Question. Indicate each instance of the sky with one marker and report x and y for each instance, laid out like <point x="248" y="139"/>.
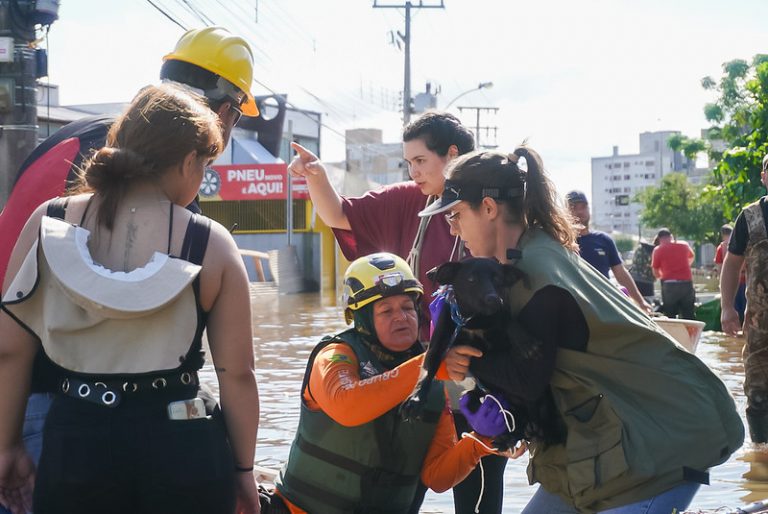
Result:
<point x="572" y="78"/>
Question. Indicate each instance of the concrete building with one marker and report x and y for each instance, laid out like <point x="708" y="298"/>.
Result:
<point x="380" y="163"/>
<point x="618" y="178"/>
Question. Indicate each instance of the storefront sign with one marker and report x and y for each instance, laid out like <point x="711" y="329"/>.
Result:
<point x="250" y="182"/>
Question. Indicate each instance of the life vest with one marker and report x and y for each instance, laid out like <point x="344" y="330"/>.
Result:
<point x="756" y="257"/>
<point x="94" y="322"/>
<point x="642" y="414"/>
<point x="370" y="468"/>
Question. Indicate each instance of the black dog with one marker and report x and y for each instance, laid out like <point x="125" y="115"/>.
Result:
<point x="479" y="289"/>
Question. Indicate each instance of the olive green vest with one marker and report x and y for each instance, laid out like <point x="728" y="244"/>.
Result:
<point x="371" y="468"/>
<point x="642" y="414"/>
<point x="756" y="257"/>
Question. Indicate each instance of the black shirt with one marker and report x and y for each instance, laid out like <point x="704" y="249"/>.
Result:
<point x="740" y="235"/>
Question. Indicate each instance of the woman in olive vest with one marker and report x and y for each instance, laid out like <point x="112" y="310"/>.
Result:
<point x="634" y="420"/>
<point x="353" y="452"/>
<point x="117" y="284"/>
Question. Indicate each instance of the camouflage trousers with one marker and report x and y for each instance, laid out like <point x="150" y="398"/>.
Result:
<point x="756" y="328"/>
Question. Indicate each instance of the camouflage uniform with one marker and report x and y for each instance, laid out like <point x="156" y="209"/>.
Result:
<point x="641" y="270"/>
<point x="756" y="319"/>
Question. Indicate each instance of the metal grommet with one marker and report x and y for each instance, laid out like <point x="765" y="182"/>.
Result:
<point x="100" y="384"/>
<point x="130" y="387"/>
<point x="83" y="390"/>
<point x="65" y="385"/>
<point x="186" y="378"/>
<point x="159" y="383"/>
<point x="108" y="398"/>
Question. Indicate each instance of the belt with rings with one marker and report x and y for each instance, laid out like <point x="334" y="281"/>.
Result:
<point x="109" y="393"/>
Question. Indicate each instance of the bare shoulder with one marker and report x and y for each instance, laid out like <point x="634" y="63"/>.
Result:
<point x="220" y="240"/>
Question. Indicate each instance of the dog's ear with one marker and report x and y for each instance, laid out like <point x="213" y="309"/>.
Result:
<point x="447" y="272"/>
<point x="512" y="274"/>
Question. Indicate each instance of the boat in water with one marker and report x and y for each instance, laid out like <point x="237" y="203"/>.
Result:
<point x="687" y="332"/>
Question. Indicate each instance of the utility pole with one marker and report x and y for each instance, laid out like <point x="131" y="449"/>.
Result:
<point x="406" y="39"/>
<point x="487" y="128"/>
<point x="20" y="66"/>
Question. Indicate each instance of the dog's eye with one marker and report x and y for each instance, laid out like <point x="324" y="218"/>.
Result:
<point x="471" y="278"/>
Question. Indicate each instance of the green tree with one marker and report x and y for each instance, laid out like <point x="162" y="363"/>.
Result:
<point x="690" y="212"/>
<point x="739" y="118"/>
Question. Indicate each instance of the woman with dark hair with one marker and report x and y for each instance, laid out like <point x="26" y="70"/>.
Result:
<point x="117" y="284"/>
<point x="385" y="219"/>
<point x="629" y="418"/>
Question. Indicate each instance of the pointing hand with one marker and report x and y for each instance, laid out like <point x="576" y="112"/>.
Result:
<point x="305" y="163"/>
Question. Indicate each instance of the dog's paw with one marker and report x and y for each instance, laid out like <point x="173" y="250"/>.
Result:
<point x="411" y="409"/>
<point x="505" y="442"/>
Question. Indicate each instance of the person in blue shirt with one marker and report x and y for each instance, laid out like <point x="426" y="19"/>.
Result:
<point x="599" y="250"/>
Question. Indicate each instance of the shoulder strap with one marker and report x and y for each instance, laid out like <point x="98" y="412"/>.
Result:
<point x="57" y="208"/>
<point x="196" y="239"/>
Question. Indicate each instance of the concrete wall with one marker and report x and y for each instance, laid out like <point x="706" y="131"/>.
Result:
<point x="307" y="246"/>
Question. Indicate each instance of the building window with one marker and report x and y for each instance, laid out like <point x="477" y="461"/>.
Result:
<point x="627" y="177"/>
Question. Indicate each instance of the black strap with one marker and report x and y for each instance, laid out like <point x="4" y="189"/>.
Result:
<point x="330" y="457"/>
<point x="85" y="211"/>
<point x="57" y="208"/>
<point x="196" y="239"/>
<point x="170" y="229"/>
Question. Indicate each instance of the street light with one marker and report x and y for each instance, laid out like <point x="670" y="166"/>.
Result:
<point x="482" y="85"/>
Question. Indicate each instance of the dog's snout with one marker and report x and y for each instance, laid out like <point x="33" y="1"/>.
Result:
<point x="493" y="302"/>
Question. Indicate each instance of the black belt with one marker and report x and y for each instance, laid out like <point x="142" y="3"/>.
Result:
<point x="109" y="392"/>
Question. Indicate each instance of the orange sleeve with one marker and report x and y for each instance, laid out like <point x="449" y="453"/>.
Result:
<point x="335" y="386"/>
<point x="449" y="462"/>
<point x="442" y="372"/>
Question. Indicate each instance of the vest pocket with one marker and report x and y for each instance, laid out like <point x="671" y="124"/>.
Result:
<point x="594" y="450"/>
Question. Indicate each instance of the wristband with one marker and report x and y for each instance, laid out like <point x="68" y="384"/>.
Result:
<point x="243" y="470"/>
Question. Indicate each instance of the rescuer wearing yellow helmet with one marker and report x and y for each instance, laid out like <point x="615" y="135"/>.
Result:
<point x="219" y="65"/>
<point x="353" y="452"/>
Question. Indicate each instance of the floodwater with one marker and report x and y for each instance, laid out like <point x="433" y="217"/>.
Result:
<point x="286" y="328"/>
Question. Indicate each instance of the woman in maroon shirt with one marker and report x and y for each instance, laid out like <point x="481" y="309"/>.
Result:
<point x="385" y="220"/>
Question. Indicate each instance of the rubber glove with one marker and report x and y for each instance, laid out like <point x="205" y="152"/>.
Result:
<point x="436" y="306"/>
<point x="486" y="419"/>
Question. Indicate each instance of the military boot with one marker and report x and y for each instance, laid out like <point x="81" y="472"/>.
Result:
<point x="758" y="426"/>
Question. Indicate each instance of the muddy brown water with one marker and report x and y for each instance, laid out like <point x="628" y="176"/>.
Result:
<point x="286" y="328"/>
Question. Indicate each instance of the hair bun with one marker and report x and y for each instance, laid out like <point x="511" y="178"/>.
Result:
<point x="111" y="165"/>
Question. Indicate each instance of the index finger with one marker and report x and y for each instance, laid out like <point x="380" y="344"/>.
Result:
<point x="304" y="154"/>
<point x="469" y="351"/>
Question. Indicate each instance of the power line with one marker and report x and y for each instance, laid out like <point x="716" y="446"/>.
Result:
<point x="167" y="15"/>
<point x="195" y="12"/>
<point x="331" y="129"/>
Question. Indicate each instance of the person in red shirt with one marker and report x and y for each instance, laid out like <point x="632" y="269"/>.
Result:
<point x="671" y="263"/>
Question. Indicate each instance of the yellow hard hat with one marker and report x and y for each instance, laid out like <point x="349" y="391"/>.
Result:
<point x="230" y="57"/>
<point x="377" y="276"/>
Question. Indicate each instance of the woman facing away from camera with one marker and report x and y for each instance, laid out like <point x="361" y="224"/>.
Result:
<point x="117" y="283"/>
<point x="629" y="422"/>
